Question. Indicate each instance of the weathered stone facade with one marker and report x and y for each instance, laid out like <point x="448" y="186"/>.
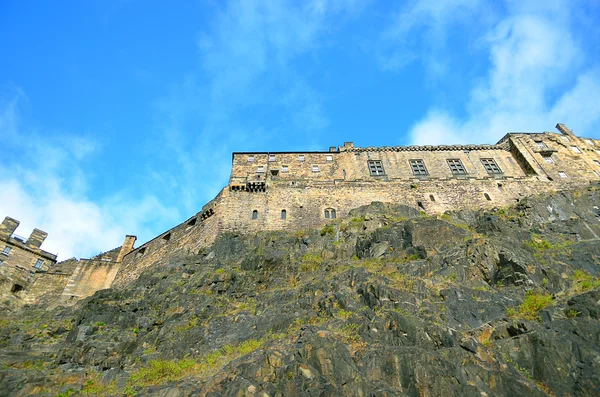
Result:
<point x="298" y="190"/>
<point x="21" y="261"/>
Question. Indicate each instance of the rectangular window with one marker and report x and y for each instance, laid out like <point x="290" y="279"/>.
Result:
<point x="597" y="173"/>
<point x="541" y="145"/>
<point x="575" y="149"/>
<point x="38" y="264"/>
<point x="597" y="162"/>
<point x="301" y="157"/>
<point x="271" y="157"/>
<point x="490" y="166"/>
<point x="562" y="174"/>
<point x="260" y="169"/>
<point x="375" y="167"/>
<point x="250" y="159"/>
<point x="1" y="263"/>
<point x="6" y="250"/>
<point x="284" y="168"/>
<point x="590" y="142"/>
<point x="566" y="139"/>
<point x="418" y="167"/>
<point x="456" y="167"/>
<point x="329" y="158"/>
<point x="548" y="158"/>
<point x="315" y="168"/>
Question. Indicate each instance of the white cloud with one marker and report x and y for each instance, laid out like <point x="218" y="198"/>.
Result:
<point x="44" y="186"/>
<point x="419" y="31"/>
<point x="538" y="76"/>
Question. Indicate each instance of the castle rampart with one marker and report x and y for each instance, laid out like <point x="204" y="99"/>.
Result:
<point x="299" y="190"/>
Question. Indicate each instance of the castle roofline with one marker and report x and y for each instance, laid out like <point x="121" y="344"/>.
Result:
<point x="291" y="152"/>
<point x="415" y="148"/>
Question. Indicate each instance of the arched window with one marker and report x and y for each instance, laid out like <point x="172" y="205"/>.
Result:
<point x="330" y="213"/>
<point x="255" y="214"/>
<point x="283" y="214"/>
<point x="487" y="197"/>
<point x="431" y="197"/>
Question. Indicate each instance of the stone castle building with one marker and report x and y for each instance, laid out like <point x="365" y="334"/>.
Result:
<point x="21" y="258"/>
<point x="301" y="190"/>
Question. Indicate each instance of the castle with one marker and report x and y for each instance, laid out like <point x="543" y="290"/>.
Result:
<point x="301" y="190"/>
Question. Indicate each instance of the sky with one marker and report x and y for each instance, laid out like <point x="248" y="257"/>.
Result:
<point x="120" y="116"/>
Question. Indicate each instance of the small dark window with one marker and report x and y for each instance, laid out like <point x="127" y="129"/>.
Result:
<point x="490" y="166"/>
<point x="16" y="288"/>
<point x="327" y="214"/>
<point x="140" y="252"/>
<point x="255" y="214"/>
<point x="375" y="167"/>
<point x="192" y="222"/>
<point x="431" y="197"/>
<point x="274" y="172"/>
<point x="330" y="213"/>
<point x="418" y="167"/>
<point x="487" y="197"/>
<point x="420" y="204"/>
<point x="283" y="214"/>
<point x="167" y="237"/>
<point x="456" y="166"/>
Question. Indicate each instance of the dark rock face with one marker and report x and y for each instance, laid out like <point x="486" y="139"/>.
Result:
<point x="388" y="302"/>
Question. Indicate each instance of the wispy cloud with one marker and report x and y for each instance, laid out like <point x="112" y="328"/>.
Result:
<point x="44" y="185"/>
<point x="249" y="92"/>
<point x="537" y="75"/>
<point x="420" y="30"/>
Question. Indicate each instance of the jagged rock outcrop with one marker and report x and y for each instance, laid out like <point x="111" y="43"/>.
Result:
<point x="387" y="302"/>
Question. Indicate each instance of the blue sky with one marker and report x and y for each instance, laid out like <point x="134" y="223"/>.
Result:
<point x="119" y="117"/>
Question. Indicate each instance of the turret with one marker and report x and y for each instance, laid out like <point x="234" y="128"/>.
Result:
<point x="36" y="238"/>
<point x="8" y="227"/>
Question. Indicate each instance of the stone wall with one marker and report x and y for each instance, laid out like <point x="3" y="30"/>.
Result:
<point x="88" y="277"/>
<point x="48" y="286"/>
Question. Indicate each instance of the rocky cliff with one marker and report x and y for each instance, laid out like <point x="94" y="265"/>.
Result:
<point x="386" y="302"/>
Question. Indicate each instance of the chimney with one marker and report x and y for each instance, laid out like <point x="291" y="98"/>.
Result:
<point x="348" y="144"/>
<point x="8" y="227"/>
<point x="564" y="129"/>
<point x="36" y="238"/>
<point x="126" y="247"/>
<point x="332" y="149"/>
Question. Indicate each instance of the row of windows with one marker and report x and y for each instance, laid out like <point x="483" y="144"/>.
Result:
<point x="588" y="141"/>
<point x="418" y="167"/>
<point x="301" y="157"/>
<point x="284" y="168"/>
<point x="38" y="263"/>
<point x="329" y="213"/>
<point x="542" y="145"/>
